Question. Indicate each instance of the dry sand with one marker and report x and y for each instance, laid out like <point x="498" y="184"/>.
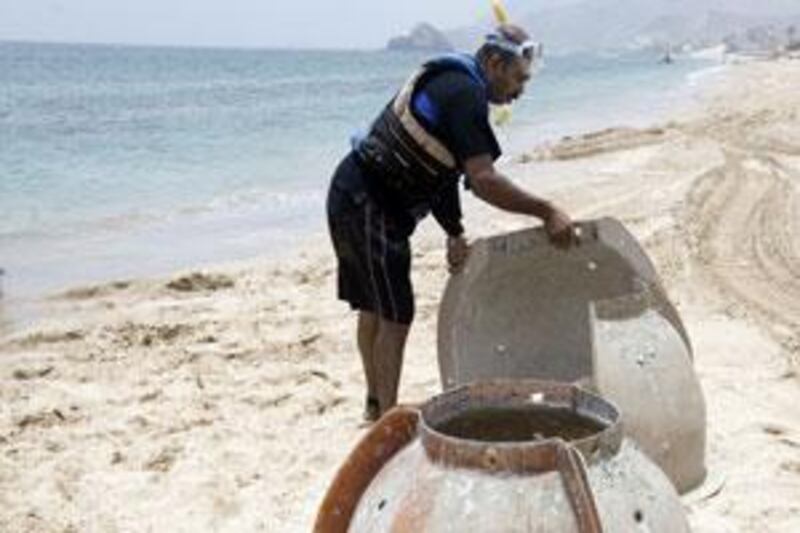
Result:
<point x="225" y="400"/>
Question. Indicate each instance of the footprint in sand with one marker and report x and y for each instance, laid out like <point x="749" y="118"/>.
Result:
<point x="164" y="460"/>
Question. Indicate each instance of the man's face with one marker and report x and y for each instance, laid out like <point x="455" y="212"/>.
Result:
<point x="507" y="80"/>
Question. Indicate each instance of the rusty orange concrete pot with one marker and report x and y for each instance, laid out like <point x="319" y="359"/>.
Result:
<point x="501" y="456"/>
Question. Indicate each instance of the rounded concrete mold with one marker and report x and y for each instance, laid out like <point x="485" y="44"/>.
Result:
<point x="501" y="456"/>
<point x="596" y="315"/>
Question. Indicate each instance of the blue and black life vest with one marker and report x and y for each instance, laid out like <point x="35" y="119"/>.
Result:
<point x="405" y="156"/>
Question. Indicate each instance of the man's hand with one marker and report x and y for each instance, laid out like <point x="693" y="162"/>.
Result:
<point x="494" y="188"/>
<point x="457" y="253"/>
<point x="560" y="229"/>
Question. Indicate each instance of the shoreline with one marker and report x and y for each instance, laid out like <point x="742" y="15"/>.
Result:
<point x="186" y="402"/>
<point x="250" y="223"/>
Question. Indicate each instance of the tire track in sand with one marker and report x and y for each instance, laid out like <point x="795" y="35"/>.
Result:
<point x="744" y="220"/>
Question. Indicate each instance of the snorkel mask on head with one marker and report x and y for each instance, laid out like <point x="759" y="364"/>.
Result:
<point x="530" y="50"/>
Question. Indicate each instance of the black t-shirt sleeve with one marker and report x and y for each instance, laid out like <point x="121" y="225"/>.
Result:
<point x="467" y="126"/>
<point x="464" y="120"/>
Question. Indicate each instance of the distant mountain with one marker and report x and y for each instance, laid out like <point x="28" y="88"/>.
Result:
<point x="709" y="28"/>
<point x="422" y="37"/>
<point x="615" y="24"/>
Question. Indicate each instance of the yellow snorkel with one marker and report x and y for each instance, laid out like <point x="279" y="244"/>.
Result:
<point x="500" y="12"/>
<point x="501" y="114"/>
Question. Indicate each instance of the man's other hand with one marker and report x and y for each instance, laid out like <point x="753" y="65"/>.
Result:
<point x="457" y="253"/>
<point x="560" y="229"/>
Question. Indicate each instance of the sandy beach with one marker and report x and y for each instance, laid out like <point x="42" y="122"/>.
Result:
<point x="225" y="400"/>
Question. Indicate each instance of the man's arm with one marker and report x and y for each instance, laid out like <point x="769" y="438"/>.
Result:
<point x="447" y="211"/>
<point x="494" y="188"/>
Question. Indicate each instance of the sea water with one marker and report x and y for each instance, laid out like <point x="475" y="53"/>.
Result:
<point x="120" y="162"/>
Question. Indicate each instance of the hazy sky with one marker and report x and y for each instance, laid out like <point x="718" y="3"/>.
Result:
<point x="290" y="23"/>
<point x="271" y="23"/>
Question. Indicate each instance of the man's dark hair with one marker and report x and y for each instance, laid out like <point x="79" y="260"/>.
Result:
<point x="511" y="32"/>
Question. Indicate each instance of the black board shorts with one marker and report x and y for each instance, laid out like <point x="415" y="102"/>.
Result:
<point x="372" y="248"/>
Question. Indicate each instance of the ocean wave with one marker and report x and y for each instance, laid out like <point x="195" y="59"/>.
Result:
<point x="266" y="204"/>
<point x="701" y="77"/>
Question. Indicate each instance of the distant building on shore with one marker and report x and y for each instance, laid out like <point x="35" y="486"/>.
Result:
<point x="763" y="39"/>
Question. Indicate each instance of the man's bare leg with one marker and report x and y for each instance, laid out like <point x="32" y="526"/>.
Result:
<point x="388" y="360"/>
<point x="367" y="335"/>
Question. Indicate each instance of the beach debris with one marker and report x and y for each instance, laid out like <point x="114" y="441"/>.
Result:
<point x="50" y="337"/>
<point x="44" y="419"/>
<point x="132" y="334"/>
<point x="150" y="396"/>
<point x="321" y="375"/>
<point x="230" y="350"/>
<point x="310" y="339"/>
<point x="310" y="375"/>
<point x="199" y="282"/>
<point x="95" y="291"/>
<point x="277" y="401"/>
<point x="164" y="460"/>
<point x="320" y="407"/>
<point x="775" y="429"/>
<point x="25" y="374"/>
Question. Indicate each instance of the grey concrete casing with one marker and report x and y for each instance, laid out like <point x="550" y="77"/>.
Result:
<point x="596" y="314"/>
<point x="415" y="491"/>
